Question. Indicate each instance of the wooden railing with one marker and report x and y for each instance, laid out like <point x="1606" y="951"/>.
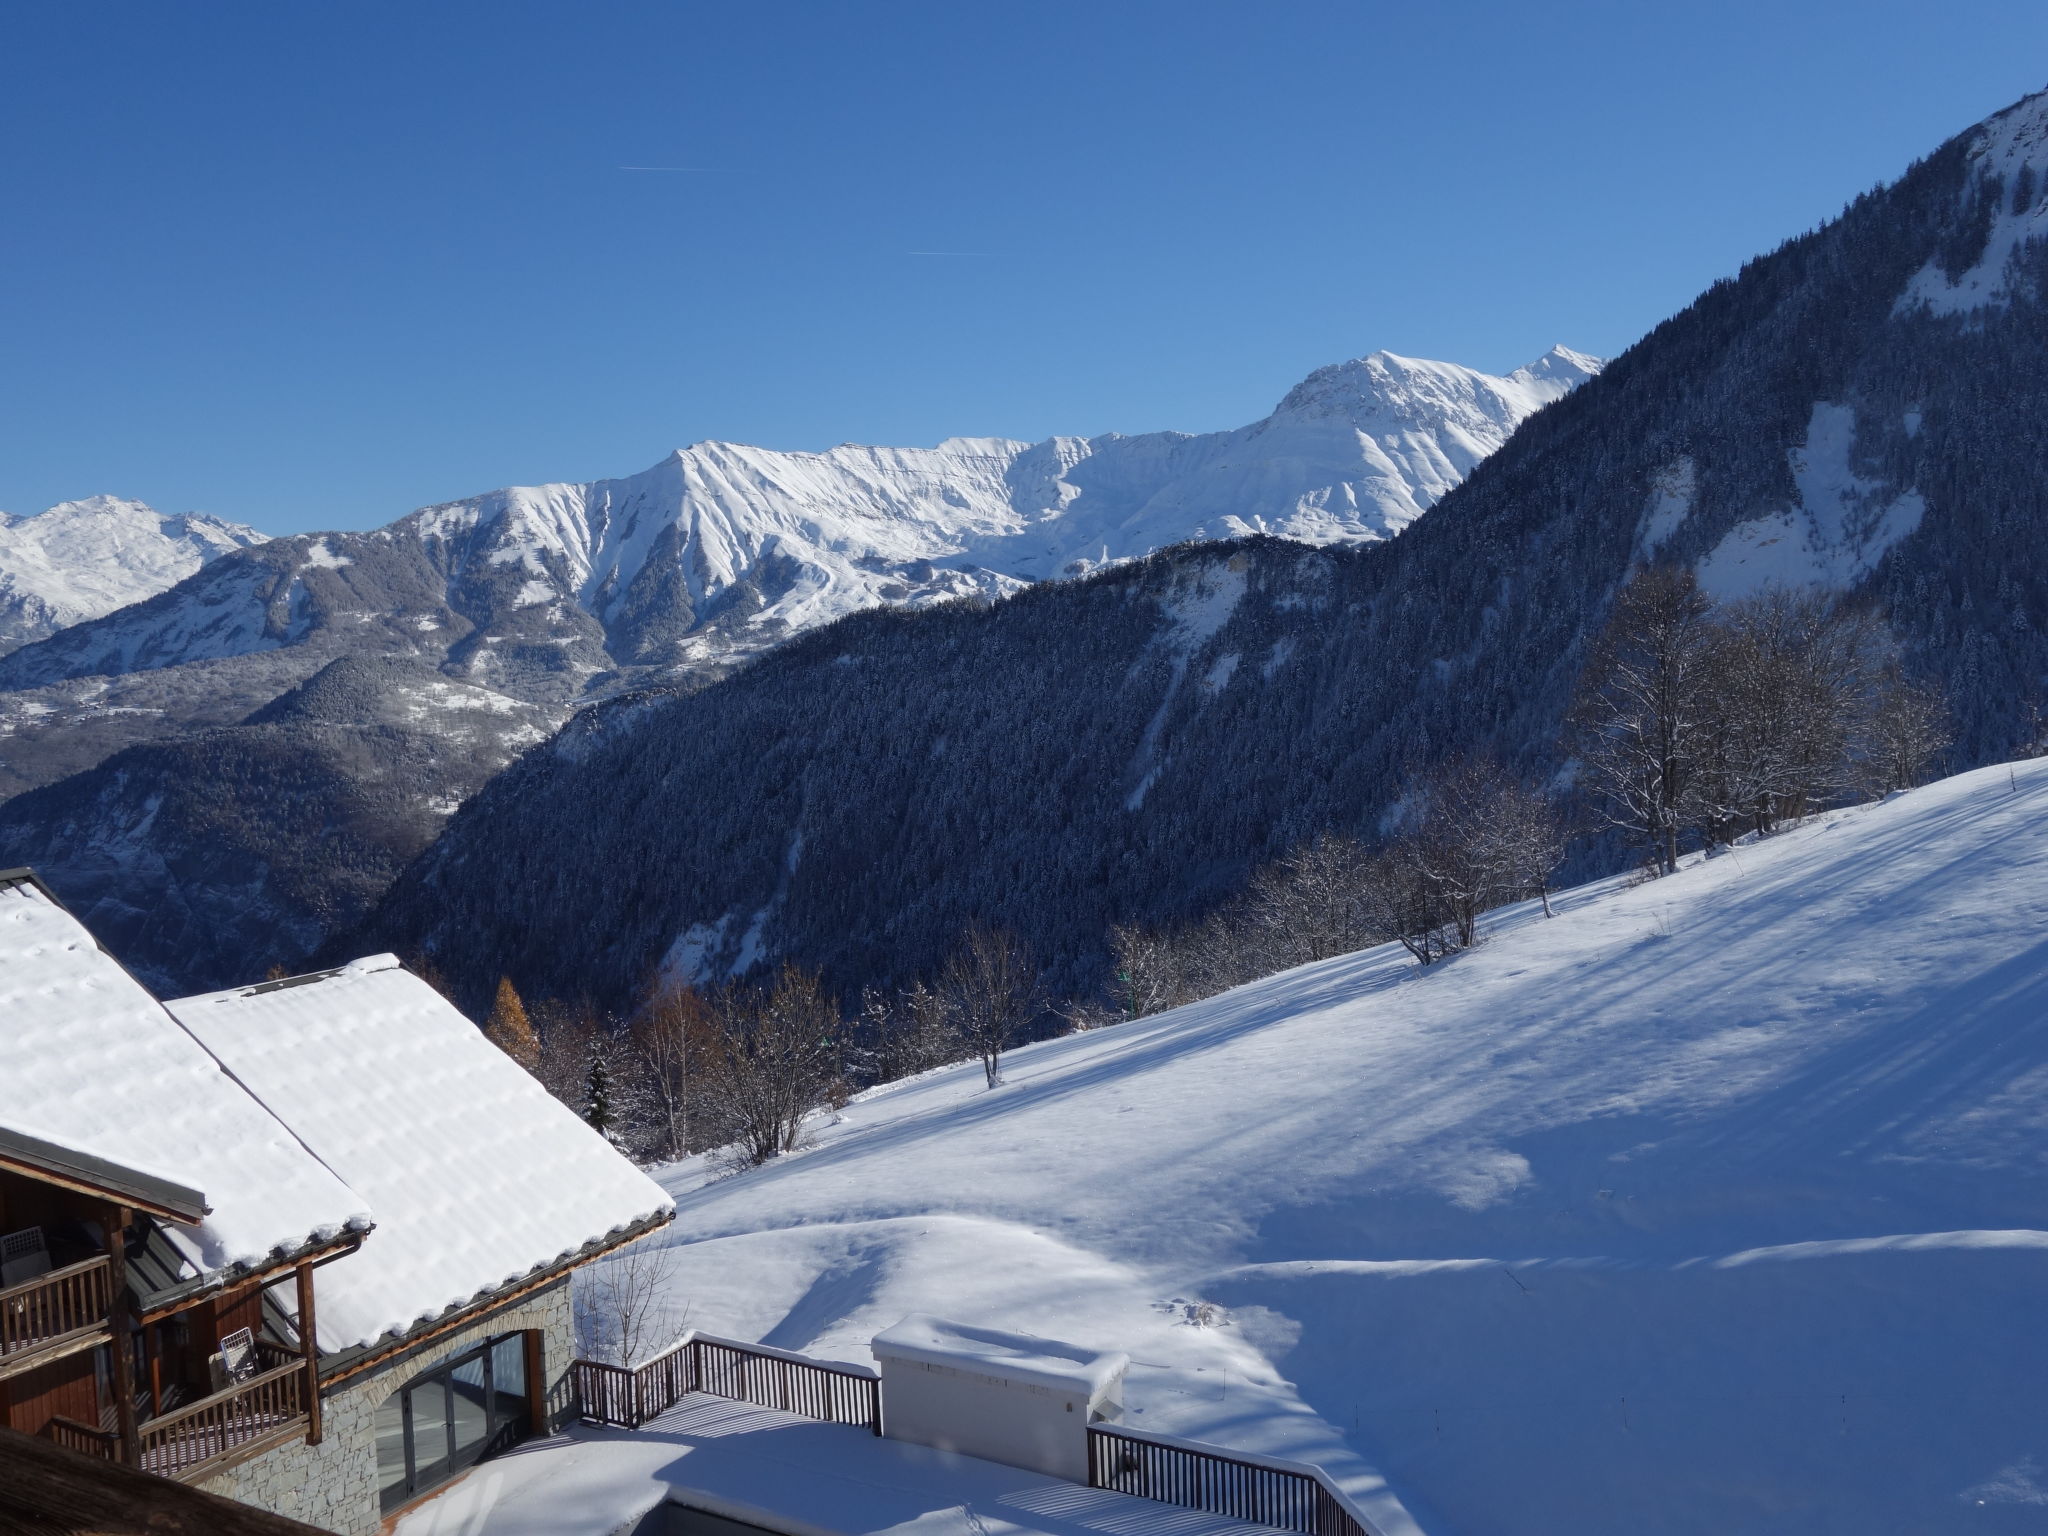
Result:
<point x="74" y="1300"/>
<point x="752" y="1373"/>
<point x="1292" y="1496"/>
<point x="181" y="1443"/>
<point x="75" y="1436"/>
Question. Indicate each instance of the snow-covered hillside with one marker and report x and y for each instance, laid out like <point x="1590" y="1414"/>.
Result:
<point x="81" y="559"/>
<point x="1717" y="1203"/>
<point x="723" y="550"/>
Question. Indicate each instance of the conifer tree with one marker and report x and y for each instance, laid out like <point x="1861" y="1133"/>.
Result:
<point x="509" y="1029"/>
<point x="597" y="1097"/>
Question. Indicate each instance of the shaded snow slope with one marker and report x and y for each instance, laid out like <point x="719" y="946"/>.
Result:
<point x="82" y="559"/>
<point x="722" y="550"/>
<point x="2006" y="196"/>
<point x="1718" y="1203"/>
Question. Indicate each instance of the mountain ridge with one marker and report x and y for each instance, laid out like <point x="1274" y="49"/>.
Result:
<point x="1127" y="749"/>
<point x="722" y="550"/>
<point x="83" y="559"/>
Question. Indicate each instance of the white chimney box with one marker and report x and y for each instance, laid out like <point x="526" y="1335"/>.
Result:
<point x="1008" y="1397"/>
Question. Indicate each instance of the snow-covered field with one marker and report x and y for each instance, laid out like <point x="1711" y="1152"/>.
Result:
<point x="1713" y="1204"/>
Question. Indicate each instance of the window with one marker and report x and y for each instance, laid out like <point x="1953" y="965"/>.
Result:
<point x="450" y="1418"/>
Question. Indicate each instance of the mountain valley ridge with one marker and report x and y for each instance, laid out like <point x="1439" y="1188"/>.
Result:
<point x="121" y="735"/>
<point x="1852" y="410"/>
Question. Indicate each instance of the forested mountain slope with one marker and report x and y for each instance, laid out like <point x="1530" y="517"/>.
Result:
<point x="1859" y="408"/>
<point x="1716" y="1203"/>
<point x="209" y="859"/>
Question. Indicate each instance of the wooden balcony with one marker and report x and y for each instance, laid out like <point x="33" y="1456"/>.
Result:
<point x="213" y="1434"/>
<point x="216" y="1432"/>
<point x="53" y="1315"/>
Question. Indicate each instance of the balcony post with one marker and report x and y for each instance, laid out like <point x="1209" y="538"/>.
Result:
<point x="117" y="1218"/>
<point x="309" y="1350"/>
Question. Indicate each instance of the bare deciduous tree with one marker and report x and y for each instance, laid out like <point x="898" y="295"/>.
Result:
<point x="1148" y="973"/>
<point x="907" y="1032"/>
<point x="1904" y="735"/>
<point x="990" y="990"/>
<point x="1641" y="718"/>
<point x="1311" y="904"/>
<point x="664" y="1036"/>
<point x="624" y="1307"/>
<point x="1790" y="674"/>
<point x="770" y="1057"/>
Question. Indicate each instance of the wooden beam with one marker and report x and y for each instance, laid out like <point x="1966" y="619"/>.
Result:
<point x="229" y="1291"/>
<point x="98" y="1191"/>
<point x="120" y="1316"/>
<point x="309" y="1351"/>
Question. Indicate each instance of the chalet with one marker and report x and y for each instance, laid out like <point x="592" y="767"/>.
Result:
<point x="306" y="1244"/>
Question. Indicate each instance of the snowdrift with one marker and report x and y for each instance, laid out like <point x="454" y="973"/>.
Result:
<point x="1711" y="1204"/>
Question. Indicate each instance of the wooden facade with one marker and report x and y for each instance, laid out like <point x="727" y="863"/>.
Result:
<point x="98" y="1355"/>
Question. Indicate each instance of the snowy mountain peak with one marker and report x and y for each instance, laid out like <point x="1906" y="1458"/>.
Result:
<point x="1384" y="389"/>
<point x="81" y="559"/>
<point x="1560" y="365"/>
<point x="723" y="549"/>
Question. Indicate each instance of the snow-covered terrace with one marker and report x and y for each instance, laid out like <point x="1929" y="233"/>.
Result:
<point x="762" y="1467"/>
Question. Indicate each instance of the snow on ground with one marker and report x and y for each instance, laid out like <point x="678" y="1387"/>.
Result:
<point x="1833" y="538"/>
<point x="1715" y="1203"/>
<point x="757" y="1465"/>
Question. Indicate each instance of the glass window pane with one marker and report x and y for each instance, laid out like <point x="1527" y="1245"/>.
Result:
<point x="469" y="1409"/>
<point x="508" y="1375"/>
<point x="391" y="1451"/>
<point x="429" y="1431"/>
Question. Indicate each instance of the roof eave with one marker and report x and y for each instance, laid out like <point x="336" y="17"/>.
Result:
<point x="87" y="1174"/>
<point x="357" y="1358"/>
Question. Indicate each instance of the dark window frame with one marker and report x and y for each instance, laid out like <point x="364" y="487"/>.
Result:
<point x="507" y="1420"/>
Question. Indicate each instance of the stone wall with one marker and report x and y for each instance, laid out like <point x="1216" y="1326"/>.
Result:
<point x="334" y="1484"/>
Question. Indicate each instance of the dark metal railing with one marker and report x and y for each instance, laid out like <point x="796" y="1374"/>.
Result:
<point x="837" y="1394"/>
<point x="1198" y="1477"/>
<point x="74" y="1300"/>
<point x="751" y="1373"/>
<point x="178" y="1443"/>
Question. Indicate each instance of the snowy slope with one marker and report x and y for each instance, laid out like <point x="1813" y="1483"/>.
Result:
<point x="1715" y="1204"/>
<point x="722" y="550"/>
<point x="81" y="559"/>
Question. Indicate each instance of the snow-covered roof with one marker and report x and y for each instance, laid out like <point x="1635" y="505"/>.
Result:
<point x="1019" y="1357"/>
<point x="478" y="1177"/>
<point x="97" y="1079"/>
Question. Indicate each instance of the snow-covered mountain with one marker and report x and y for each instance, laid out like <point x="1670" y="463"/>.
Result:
<point x="1713" y="1204"/>
<point x="81" y="559"/>
<point x="1129" y="749"/>
<point x="722" y="550"/>
<point x="1353" y="454"/>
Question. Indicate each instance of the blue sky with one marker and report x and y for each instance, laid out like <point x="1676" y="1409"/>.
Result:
<point x="314" y="265"/>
